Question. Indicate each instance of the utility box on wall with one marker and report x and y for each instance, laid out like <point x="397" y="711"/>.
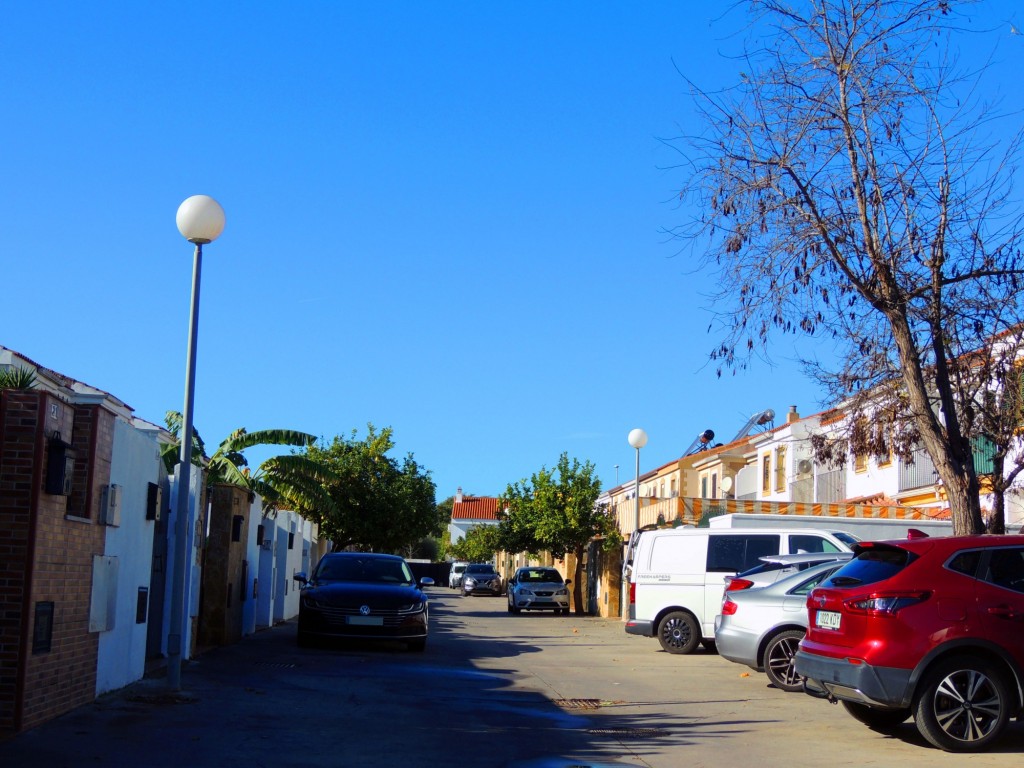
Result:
<point x="110" y="505"/>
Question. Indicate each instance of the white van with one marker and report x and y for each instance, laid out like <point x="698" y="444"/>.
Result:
<point x="677" y="575"/>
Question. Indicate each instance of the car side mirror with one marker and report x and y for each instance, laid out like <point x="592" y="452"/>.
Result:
<point x="426" y="581"/>
<point x="301" y="578"/>
<point x="568" y="582"/>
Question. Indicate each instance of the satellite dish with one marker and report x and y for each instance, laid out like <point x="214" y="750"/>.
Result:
<point x="726" y="484"/>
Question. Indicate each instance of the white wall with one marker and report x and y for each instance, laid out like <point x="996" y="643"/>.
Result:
<point x="193" y="570"/>
<point x="135" y="462"/>
<point x="267" y="573"/>
<point x="289" y="562"/>
<point x="252" y="558"/>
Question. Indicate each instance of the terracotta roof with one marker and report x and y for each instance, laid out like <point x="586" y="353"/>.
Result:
<point x="475" y="508"/>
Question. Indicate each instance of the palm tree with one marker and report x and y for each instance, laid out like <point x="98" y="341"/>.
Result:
<point x="288" y="480"/>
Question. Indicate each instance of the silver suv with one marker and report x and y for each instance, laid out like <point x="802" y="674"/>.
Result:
<point x="481" y="577"/>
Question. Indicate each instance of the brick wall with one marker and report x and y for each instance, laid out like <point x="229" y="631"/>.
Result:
<point x="52" y="540"/>
<point x="220" y="618"/>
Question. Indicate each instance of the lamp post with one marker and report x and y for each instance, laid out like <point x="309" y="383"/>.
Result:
<point x="200" y="220"/>
<point x="638" y="439"/>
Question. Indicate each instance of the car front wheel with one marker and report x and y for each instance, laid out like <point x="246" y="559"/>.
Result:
<point x="678" y="632"/>
<point x="963" y="705"/>
<point x="512" y="608"/>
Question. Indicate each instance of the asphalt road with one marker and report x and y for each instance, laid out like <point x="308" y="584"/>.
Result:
<point x="527" y="691"/>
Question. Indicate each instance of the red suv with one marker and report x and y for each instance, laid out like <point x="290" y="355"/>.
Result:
<point x="928" y="627"/>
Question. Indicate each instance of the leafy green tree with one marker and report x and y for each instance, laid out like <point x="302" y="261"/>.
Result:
<point x="479" y="545"/>
<point x="556" y="510"/>
<point x="287" y="480"/>
<point x="379" y="504"/>
<point x="444" y="516"/>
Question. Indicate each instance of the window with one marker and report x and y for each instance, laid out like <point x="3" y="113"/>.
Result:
<point x="236" y="527"/>
<point x="860" y="462"/>
<point x="766" y="473"/>
<point x="1006" y="569"/>
<point x="733" y="553"/>
<point x="885" y="457"/>
<point x="42" y="629"/>
<point x="780" y="469"/>
<point x="704" y="486"/>
<point x="714" y="486"/>
<point x="811" y="544"/>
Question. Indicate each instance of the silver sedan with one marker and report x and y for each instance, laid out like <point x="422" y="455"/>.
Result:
<point x="763" y="627"/>
<point x="538" y="589"/>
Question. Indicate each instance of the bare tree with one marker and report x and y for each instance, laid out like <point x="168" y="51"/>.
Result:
<point x="847" y="194"/>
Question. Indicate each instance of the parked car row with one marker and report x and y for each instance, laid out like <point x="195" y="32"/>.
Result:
<point x="922" y="628"/>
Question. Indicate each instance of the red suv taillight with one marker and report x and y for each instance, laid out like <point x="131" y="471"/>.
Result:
<point x="729" y="607"/>
<point x="632" y="593"/>
<point x="737" y="584"/>
<point x="884" y="603"/>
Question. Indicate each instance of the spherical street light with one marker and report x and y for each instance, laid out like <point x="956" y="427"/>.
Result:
<point x="637" y="438"/>
<point x="200" y="219"/>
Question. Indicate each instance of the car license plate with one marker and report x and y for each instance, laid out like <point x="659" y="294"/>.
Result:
<point x="828" y="619"/>
<point x="372" y="621"/>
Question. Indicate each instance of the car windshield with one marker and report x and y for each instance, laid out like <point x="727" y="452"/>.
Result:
<point x="370" y="569"/>
<point x="480" y="569"/>
<point x="541" y="575"/>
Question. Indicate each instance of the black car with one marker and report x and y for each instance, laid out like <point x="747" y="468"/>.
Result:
<point x="364" y="596"/>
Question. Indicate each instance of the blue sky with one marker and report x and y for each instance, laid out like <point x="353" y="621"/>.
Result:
<point x="444" y="218"/>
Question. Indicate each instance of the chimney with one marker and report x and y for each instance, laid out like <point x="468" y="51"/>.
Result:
<point x="792" y="415"/>
<point x="458" y="495"/>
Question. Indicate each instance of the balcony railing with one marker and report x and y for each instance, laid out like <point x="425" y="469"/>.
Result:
<point x="918" y="471"/>
<point x="830" y="487"/>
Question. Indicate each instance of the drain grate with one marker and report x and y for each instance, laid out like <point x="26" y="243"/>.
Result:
<point x="578" y="703"/>
<point x="275" y="664"/>
<point x="629" y="733"/>
<point x="586" y="703"/>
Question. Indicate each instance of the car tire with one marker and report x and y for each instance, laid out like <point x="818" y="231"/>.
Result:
<point x="511" y="608"/>
<point x="881" y="720"/>
<point x="417" y="646"/>
<point x="678" y="632"/>
<point x="778" y="660"/>
<point x="963" y="704"/>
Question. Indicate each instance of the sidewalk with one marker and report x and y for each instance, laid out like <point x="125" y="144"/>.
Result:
<point x="146" y="724"/>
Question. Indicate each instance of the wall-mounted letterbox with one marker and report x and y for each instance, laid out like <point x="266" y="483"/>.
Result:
<point x="154" y="498"/>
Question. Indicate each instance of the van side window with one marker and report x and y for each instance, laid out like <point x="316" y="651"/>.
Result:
<point x="810" y="543"/>
<point x="730" y="554"/>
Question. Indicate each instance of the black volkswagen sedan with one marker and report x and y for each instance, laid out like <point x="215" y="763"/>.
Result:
<point x="363" y="595"/>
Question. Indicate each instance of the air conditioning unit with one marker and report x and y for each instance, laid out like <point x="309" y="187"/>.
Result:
<point x="110" y="505"/>
<point x="804" y="467"/>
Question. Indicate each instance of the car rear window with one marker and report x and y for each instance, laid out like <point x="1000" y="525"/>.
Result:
<point x="871" y="566"/>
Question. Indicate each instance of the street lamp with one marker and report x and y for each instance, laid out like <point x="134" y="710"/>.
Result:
<point x="638" y="439"/>
<point x="200" y="220"/>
